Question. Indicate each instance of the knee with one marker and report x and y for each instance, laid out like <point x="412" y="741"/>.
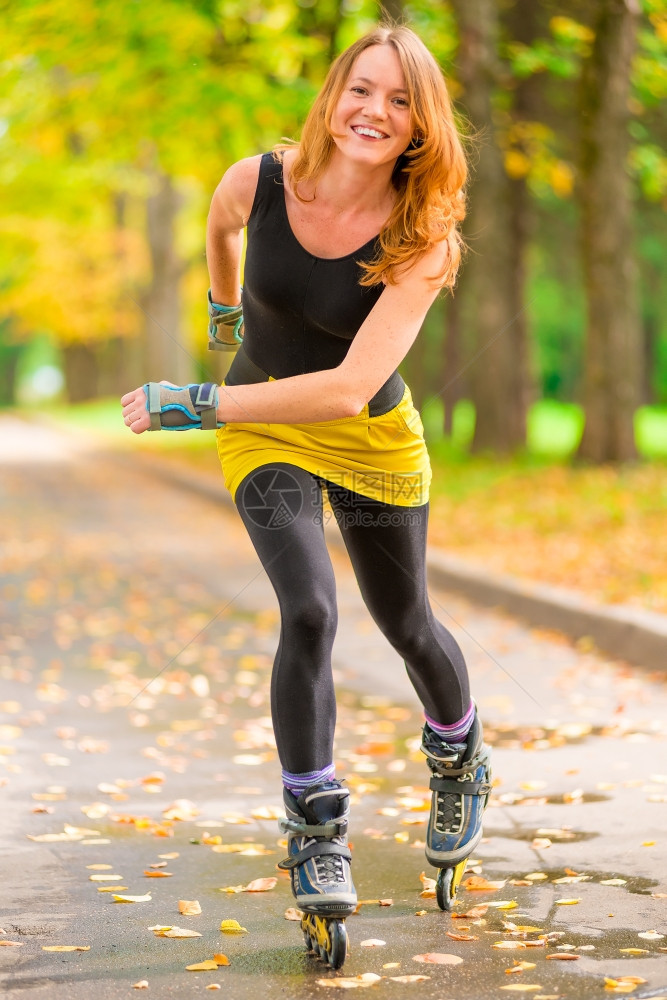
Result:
<point x="311" y="618"/>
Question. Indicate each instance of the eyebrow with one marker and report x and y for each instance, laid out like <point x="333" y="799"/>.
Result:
<point x="364" y="79"/>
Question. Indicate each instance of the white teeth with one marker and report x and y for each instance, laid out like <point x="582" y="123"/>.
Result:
<point x="362" y="130"/>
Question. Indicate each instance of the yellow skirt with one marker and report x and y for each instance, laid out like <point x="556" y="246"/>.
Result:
<point x="382" y="457"/>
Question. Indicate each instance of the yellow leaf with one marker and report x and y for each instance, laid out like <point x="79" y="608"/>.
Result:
<point x="365" y="979"/>
<point x="635" y="951"/>
<point x="567" y="902"/>
<point x="105" y="878"/>
<point x="112" y="888"/>
<point x="504" y="904"/>
<point x="232" y="927"/>
<point x="133" y="899"/>
<point x="207" y="966"/>
<point x="141" y="985"/>
<point x="220" y="959"/>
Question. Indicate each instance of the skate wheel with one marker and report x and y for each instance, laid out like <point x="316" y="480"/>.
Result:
<point x="443" y="888"/>
<point x="338" y="944"/>
<point x="447" y="885"/>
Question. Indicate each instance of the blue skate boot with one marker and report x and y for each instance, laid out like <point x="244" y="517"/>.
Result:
<point x="461" y="785"/>
<point x="319" y="865"/>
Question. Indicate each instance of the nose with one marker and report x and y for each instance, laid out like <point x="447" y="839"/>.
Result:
<point x="375" y="106"/>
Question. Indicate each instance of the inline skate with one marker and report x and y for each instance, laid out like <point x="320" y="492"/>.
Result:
<point x="319" y="865"/>
<point x="461" y="784"/>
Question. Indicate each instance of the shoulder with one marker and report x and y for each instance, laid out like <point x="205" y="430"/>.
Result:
<point x="426" y="269"/>
<point x="235" y="193"/>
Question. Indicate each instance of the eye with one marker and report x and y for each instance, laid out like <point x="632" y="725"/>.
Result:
<point x="359" y="90"/>
<point x="401" y="102"/>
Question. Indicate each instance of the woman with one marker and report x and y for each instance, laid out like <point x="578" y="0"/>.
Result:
<point x="351" y="236"/>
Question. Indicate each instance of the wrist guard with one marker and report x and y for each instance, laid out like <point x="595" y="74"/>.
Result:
<point x="225" y="326"/>
<point x="182" y="408"/>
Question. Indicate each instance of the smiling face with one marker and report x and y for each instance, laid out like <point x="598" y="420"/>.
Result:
<point x="372" y="123"/>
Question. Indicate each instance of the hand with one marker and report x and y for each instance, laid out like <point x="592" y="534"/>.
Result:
<point x="135" y="414"/>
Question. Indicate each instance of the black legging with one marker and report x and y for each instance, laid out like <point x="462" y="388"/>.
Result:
<point x="281" y="507"/>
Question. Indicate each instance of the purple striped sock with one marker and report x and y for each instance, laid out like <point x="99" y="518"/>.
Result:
<point x="298" y="783"/>
<point x="457" y="730"/>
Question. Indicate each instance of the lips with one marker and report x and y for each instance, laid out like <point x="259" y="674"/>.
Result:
<point x="371" y="133"/>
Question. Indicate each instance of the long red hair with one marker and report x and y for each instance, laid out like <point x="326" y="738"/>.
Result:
<point x="429" y="176"/>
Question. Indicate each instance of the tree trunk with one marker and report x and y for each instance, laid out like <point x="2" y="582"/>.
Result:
<point x="525" y="22"/>
<point x="81" y="372"/>
<point x="612" y="375"/>
<point x="496" y="375"/>
<point x="452" y="378"/>
<point x="167" y="357"/>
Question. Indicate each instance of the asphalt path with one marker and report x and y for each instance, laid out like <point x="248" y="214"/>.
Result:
<point x="137" y="631"/>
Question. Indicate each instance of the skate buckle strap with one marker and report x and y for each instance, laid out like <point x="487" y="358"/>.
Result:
<point x="332" y="828"/>
<point x="459" y="787"/>
<point x="315" y="851"/>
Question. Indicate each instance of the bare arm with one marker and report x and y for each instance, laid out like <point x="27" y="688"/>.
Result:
<point x="230" y="207"/>
<point x="378" y="348"/>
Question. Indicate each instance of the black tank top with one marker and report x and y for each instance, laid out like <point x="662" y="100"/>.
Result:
<point x="300" y="311"/>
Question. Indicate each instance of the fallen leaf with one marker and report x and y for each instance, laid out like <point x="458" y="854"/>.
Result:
<point x="133" y="899"/>
<point x="207" y="966"/>
<point x="522" y="987"/>
<point x="105" y="878"/>
<point x="141" y="985"/>
<point x="65" y="947"/>
<point x="291" y="913"/>
<point x="152" y="874"/>
<point x="189" y="907"/>
<point x="504" y="904"/>
<point x="261" y="885"/>
<point x="372" y="943"/>
<point x="438" y="958"/>
<point x="613" y="881"/>
<point x="175" y="932"/>
<point x="220" y="959"/>
<point x="99" y="868"/>
<point x="11" y="944"/>
<point x="650" y="935"/>
<point x="567" y="902"/>
<point x="350" y="982"/>
<point x="563" y="956"/>
<point x="509" y="945"/>
<point x="232" y="927"/>
<point x="213" y="986"/>
<point x="478" y="883"/>
<point x="635" y="951"/>
<point x="112" y="888"/>
<point x="520" y="967"/>
<point x="462" y="937"/>
<point x="408" y="979"/>
<point x="169" y="857"/>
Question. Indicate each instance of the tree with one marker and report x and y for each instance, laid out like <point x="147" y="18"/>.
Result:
<point x="612" y="378"/>
<point x="496" y="376"/>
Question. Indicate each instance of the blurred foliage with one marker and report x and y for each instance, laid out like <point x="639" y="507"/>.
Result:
<point x="97" y="99"/>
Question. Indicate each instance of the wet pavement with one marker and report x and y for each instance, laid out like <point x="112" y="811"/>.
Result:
<point x="136" y="637"/>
